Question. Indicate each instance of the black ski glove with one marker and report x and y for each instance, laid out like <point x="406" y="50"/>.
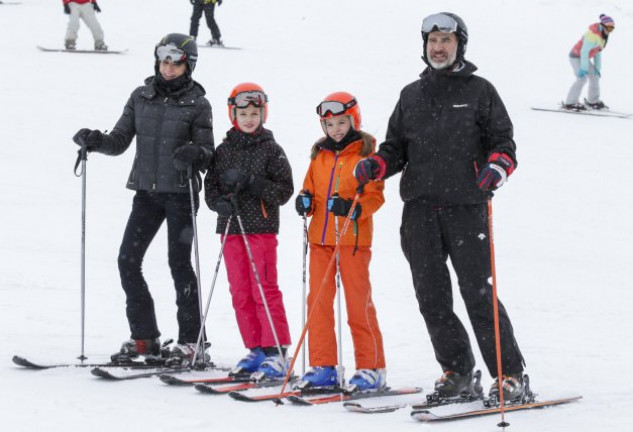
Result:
<point x="257" y="184"/>
<point x="234" y="180"/>
<point x="223" y="207"/>
<point x="66" y="9"/>
<point x="340" y="207"/>
<point x="303" y="203"/>
<point x="91" y="139"/>
<point x="188" y="156"/>
<point x="219" y="2"/>
<point x="96" y="6"/>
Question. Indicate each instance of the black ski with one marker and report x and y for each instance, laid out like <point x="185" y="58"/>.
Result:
<point x="160" y="370"/>
<point x="430" y="416"/>
<point x="22" y="361"/>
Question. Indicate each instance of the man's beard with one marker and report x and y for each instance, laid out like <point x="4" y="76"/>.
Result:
<point x="445" y="64"/>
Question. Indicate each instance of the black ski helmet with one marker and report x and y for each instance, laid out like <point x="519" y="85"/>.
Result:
<point x="183" y="42"/>
<point x="449" y="23"/>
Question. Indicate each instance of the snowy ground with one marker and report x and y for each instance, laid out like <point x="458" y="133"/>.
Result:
<point x="562" y="224"/>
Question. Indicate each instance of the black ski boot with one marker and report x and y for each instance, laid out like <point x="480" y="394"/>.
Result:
<point x="575" y="107"/>
<point x="452" y="385"/>
<point x="599" y="105"/>
<point x="131" y="349"/>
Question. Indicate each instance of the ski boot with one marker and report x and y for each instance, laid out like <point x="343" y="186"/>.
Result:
<point x="574" y="107"/>
<point x="516" y="389"/>
<point x="599" y="105"/>
<point x="182" y="355"/>
<point x="100" y="46"/>
<point x="216" y="42"/>
<point x="250" y="363"/>
<point x="318" y="377"/>
<point x="131" y="349"/>
<point x="367" y="380"/>
<point x="452" y="386"/>
<point x="273" y="367"/>
<point x="70" y="44"/>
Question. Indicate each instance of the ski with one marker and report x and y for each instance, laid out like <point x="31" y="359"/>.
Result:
<point x="429" y="416"/>
<point x="160" y="370"/>
<point x="344" y="397"/>
<point x="10" y="3"/>
<point x="219" y="47"/>
<point x="261" y="398"/>
<point x="211" y="389"/>
<point x="359" y="408"/>
<point x="276" y="396"/>
<point x="79" y="51"/>
<point x="595" y="113"/>
<point x="24" y="362"/>
<point x="172" y="380"/>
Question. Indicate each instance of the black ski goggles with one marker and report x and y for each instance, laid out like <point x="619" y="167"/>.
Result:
<point x="244" y="99"/>
<point x="334" y="108"/>
<point x="439" y="22"/>
<point x="169" y="53"/>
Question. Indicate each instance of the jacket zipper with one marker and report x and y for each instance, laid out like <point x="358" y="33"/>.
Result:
<point x="327" y="197"/>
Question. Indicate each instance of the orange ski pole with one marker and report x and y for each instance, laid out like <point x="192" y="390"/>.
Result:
<point x="495" y="309"/>
<point x="329" y="268"/>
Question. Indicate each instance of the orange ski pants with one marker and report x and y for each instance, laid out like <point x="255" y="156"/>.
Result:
<point x="361" y="313"/>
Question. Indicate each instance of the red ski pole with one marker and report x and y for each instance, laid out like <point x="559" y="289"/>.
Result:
<point x="329" y="268"/>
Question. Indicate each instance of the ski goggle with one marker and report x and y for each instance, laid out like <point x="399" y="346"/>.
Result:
<point x="244" y="99"/>
<point x="334" y="108"/>
<point x="171" y="53"/>
<point x="439" y="22"/>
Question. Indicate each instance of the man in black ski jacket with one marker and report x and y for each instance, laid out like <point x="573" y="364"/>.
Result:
<point x="451" y="137"/>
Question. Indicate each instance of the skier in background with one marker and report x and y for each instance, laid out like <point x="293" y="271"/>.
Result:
<point x="84" y="9"/>
<point x="328" y="189"/>
<point x="208" y="7"/>
<point x="171" y="119"/>
<point x="589" y="47"/>
<point x="251" y="171"/>
<point x="451" y="137"/>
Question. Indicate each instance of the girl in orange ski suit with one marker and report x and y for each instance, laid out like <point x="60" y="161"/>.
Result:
<point x="330" y="173"/>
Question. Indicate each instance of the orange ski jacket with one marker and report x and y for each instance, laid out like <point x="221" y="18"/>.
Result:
<point x="332" y="172"/>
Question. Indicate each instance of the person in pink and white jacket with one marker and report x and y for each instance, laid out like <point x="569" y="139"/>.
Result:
<point x="86" y="10"/>
<point x="589" y="48"/>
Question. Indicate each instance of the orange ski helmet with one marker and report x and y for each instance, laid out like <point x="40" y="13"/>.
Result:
<point x="246" y="94"/>
<point x="340" y="103"/>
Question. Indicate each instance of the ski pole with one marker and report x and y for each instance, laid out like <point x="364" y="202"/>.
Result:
<point x="256" y="273"/>
<point x="197" y="260"/>
<point x="215" y="276"/>
<point x="304" y="303"/>
<point x="341" y="368"/>
<point x="318" y="292"/>
<point x="495" y="308"/>
<point x="82" y="155"/>
<point x="339" y="327"/>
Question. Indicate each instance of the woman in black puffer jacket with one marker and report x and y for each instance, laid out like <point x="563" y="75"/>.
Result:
<point x="171" y="120"/>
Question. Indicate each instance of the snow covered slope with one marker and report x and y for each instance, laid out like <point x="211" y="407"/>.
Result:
<point x="562" y="223"/>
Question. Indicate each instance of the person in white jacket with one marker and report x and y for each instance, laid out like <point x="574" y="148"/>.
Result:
<point x="86" y="10"/>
